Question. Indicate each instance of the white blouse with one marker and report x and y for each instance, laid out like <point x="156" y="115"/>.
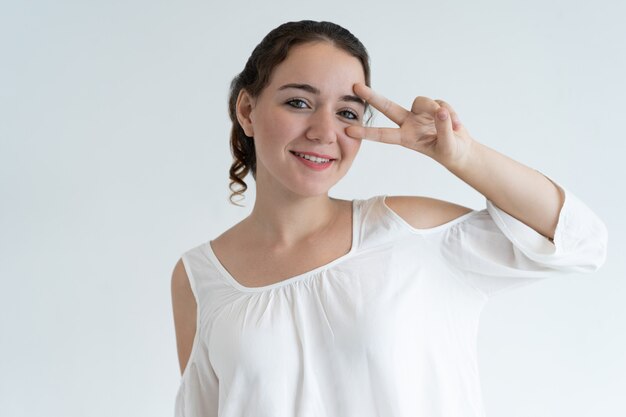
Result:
<point x="388" y="329"/>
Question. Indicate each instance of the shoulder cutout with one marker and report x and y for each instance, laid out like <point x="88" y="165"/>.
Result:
<point x="425" y="212"/>
<point x="180" y="281"/>
<point x="184" y="308"/>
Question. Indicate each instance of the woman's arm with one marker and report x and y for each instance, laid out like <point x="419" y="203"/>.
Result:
<point x="522" y="192"/>
<point x="433" y="128"/>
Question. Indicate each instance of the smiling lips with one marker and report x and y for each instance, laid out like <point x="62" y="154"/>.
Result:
<point x="313" y="160"/>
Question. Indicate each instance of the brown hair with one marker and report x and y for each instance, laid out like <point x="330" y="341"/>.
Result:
<point x="272" y="50"/>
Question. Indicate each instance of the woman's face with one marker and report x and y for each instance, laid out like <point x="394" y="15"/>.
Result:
<point x="305" y="109"/>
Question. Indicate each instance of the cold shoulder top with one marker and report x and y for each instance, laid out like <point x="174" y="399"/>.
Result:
<point x="388" y="329"/>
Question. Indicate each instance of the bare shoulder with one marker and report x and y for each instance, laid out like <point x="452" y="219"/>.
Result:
<point x="425" y="212"/>
<point x="184" y="309"/>
<point x="180" y="280"/>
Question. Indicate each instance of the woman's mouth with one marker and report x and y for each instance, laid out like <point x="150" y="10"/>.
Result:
<point x="314" y="162"/>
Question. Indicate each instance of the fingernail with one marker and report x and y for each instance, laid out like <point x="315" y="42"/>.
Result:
<point x="442" y="115"/>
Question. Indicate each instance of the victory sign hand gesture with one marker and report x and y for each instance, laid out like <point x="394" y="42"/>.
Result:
<point x="431" y="127"/>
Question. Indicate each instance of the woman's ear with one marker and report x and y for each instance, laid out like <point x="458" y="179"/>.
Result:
<point x="244" y="106"/>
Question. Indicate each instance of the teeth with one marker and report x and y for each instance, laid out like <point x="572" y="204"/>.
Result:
<point x="312" y="158"/>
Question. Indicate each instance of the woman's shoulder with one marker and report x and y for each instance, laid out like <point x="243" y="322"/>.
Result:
<point x="422" y="212"/>
<point x="232" y="237"/>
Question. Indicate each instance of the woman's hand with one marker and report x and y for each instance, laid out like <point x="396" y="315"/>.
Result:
<point x="431" y="127"/>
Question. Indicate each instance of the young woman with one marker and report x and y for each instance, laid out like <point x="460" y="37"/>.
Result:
<point x="317" y="306"/>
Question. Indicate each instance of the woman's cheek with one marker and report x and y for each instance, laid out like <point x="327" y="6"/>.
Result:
<point x="350" y="147"/>
<point x="284" y="126"/>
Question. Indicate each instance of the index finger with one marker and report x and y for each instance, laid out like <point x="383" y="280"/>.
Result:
<point x="393" y="111"/>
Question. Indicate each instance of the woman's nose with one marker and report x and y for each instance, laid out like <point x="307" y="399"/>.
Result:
<point x="323" y="126"/>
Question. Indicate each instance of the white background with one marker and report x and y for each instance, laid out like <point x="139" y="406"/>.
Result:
<point x="114" y="160"/>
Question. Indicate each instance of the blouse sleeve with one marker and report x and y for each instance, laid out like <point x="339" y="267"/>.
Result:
<point x="493" y="251"/>
<point x="198" y="392"/>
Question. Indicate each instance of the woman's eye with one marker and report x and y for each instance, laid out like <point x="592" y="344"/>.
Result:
<point x="296" y="102"/>
<point x="349" y="114"/>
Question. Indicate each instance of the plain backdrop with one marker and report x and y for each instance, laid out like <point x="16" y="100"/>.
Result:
<point x="114" y="161"/>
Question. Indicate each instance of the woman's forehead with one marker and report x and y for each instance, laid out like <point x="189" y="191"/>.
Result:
<point x="321" y="65"/>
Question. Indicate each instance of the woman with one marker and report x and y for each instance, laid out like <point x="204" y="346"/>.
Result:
<point x="316" y="306"/>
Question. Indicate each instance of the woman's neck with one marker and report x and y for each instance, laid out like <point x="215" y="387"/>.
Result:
<point x="284" y="221"/>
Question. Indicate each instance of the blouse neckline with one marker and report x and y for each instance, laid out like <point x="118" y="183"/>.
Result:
<point x="296" y="278"/>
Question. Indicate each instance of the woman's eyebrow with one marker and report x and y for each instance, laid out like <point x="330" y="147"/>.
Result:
<point x="306" y="87"/>
<point x="310" y="89"/>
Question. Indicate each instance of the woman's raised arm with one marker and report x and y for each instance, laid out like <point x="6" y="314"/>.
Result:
<point x="433" y="128"/>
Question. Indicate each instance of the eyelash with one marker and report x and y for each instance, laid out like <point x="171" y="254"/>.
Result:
<point x="355" y="116"/>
